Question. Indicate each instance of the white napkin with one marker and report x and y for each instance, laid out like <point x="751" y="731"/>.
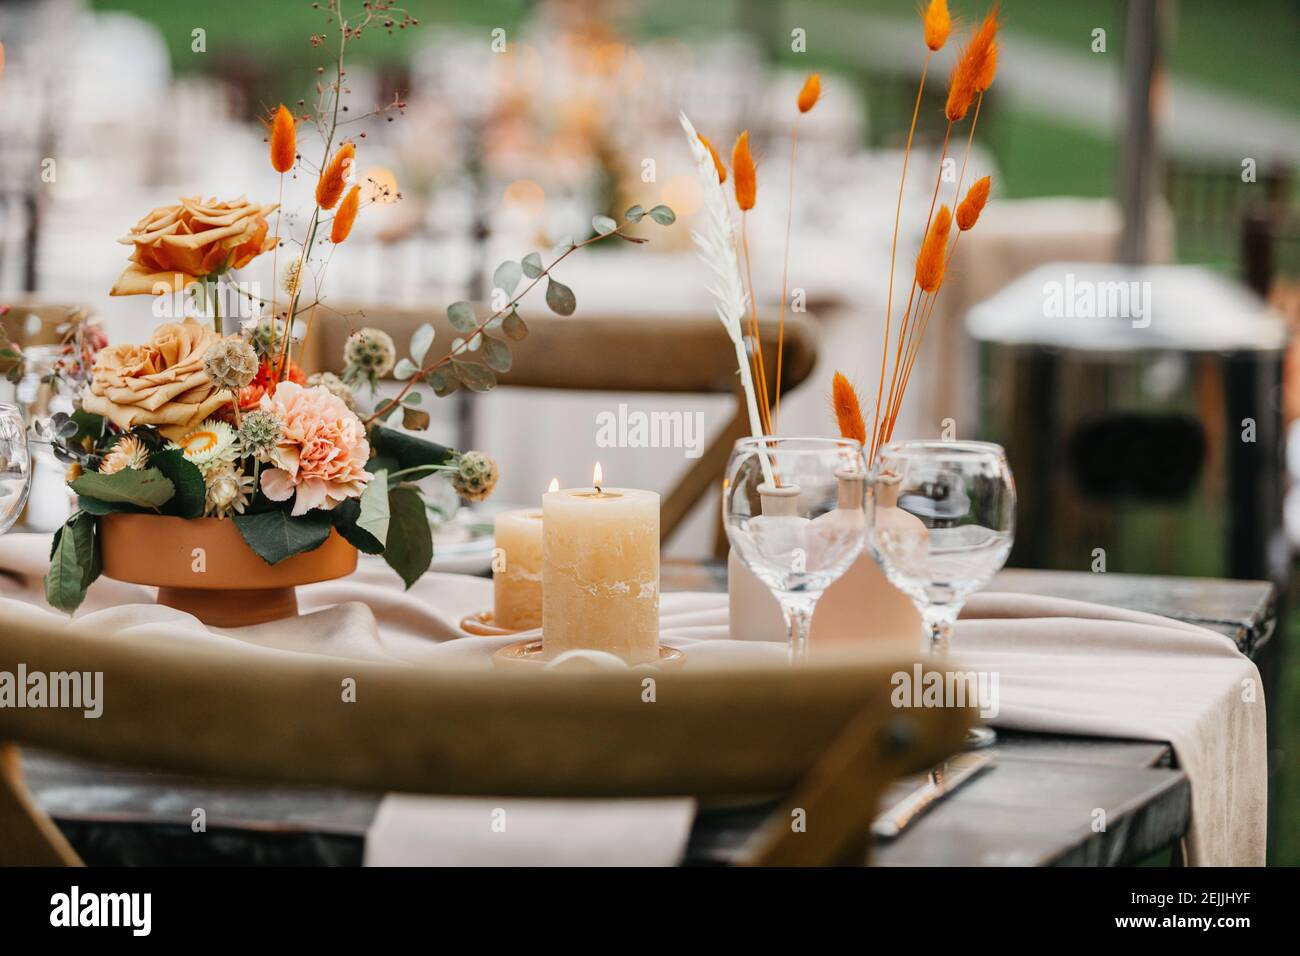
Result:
<point x="1069" y="667"/>
<point x="1063" y="667"/>
<point x="510" y="831"/>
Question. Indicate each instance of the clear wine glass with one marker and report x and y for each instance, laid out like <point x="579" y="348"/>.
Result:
<point x="15" y="466"/>
<point x="794" y="513"/>
<point x="943" y="519"/>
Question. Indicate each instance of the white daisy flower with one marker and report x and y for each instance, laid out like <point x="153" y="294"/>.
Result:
<point x="212" y="444"/>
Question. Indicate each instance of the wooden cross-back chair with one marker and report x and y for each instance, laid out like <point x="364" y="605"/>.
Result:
<point x="826" y="734"/>
<point x="670" y="354"/>
<point x="34" y="321"/>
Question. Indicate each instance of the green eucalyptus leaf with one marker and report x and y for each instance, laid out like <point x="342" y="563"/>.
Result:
<point x="412" y="398"/>
<point x="507" y="276"/>
<point x="404" y="369"/>
<point x="415" y="419"/>
<point x="442" y="383"/>
<point x="462" y="317"/>
<point x="496" y="354"/>
<point x="563" y="246"/>
<point x="148" y="488"/>
<point x="409" y="546"/>
<point x="514" y="327"/>
<point x="663" y="215"/>
<point x="560" y="298"/>
<point x="634" y="214"/>
<point x="603" y="225"/>
<point x="276" y="535"/>
<point x="421" y="339"/>
<point x="475" y="377"/>
<point x="532" y="265"/>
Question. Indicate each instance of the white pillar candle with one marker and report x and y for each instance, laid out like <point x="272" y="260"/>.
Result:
<point x="517" y="570"/>
<point x="601" y="572"/>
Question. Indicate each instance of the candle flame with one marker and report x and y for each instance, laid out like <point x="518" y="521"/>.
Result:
<point x="597" y="476"/>
<point x="554" y="485"/>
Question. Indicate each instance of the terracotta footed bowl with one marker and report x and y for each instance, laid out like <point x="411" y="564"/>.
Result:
<point x="203" y="566"/>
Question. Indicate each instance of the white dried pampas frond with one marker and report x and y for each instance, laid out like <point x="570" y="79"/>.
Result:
<point x="717" y="247"/>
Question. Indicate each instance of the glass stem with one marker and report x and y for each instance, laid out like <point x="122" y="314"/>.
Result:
<point x="798" y="611"/>
<point x="938" y="622"/>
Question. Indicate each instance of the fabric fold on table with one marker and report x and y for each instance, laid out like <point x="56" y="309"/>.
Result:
<point x="1063" y="667"/>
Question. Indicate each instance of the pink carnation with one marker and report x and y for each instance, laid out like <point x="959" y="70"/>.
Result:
<point x="322" y="452"/>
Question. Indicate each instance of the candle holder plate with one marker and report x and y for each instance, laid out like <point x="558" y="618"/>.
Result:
<point x="483" y="624"/>
<point x="529" y="653"/>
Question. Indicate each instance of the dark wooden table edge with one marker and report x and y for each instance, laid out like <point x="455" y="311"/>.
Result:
<point x="1158" y="830"/>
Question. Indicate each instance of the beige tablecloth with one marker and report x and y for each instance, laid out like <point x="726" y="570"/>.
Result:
<point x="1062" y="667"/>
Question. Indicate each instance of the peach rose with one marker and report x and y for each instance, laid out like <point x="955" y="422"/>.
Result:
<point x="322" y="452"/>
<point x="161" y="383"/>
<point x="176" y="246"/>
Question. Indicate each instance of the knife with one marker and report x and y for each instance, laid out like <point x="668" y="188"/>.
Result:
<point x="943" y="780"/>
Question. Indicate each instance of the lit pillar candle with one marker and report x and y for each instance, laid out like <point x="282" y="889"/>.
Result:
<point x="600" y="571"/>
<point x="517" y="568"/>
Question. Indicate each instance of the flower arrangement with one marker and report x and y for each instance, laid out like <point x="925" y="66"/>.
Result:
<point x="725" y="248"/>
<point x="194" y="423"/>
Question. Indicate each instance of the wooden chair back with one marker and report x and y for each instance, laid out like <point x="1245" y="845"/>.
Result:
<point x="827" y="733"/>
<point x="673" y="354"/>
<point x="31" y="321"/>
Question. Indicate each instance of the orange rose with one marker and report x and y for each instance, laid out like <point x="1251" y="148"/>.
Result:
<point x="161" y="383"/>
<point x="176" y="246"/>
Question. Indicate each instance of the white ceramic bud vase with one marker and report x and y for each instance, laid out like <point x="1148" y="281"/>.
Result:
<point x="862" y="606"/>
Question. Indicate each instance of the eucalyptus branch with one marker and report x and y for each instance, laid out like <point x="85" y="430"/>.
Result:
<point x="421" y="374"/>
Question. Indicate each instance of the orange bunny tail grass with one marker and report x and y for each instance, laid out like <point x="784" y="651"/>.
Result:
<point x="930" y="261"/>
<point x="717" y="163"/>
<point x="975" y="68"/>
<point x="284" y="144"/>
<point x="988" y="68"/>
<point x="848" y="409"/>
<point x="346" y="216"/>
<point x="968" y="212"/>
<point x="985" y="50"/>
<point x="961" y="86"/>
<point x="743" y="173"/>
<point x="811" y="92"/>
<point x="937" y="24"/>
<point x="334" y="177"/>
